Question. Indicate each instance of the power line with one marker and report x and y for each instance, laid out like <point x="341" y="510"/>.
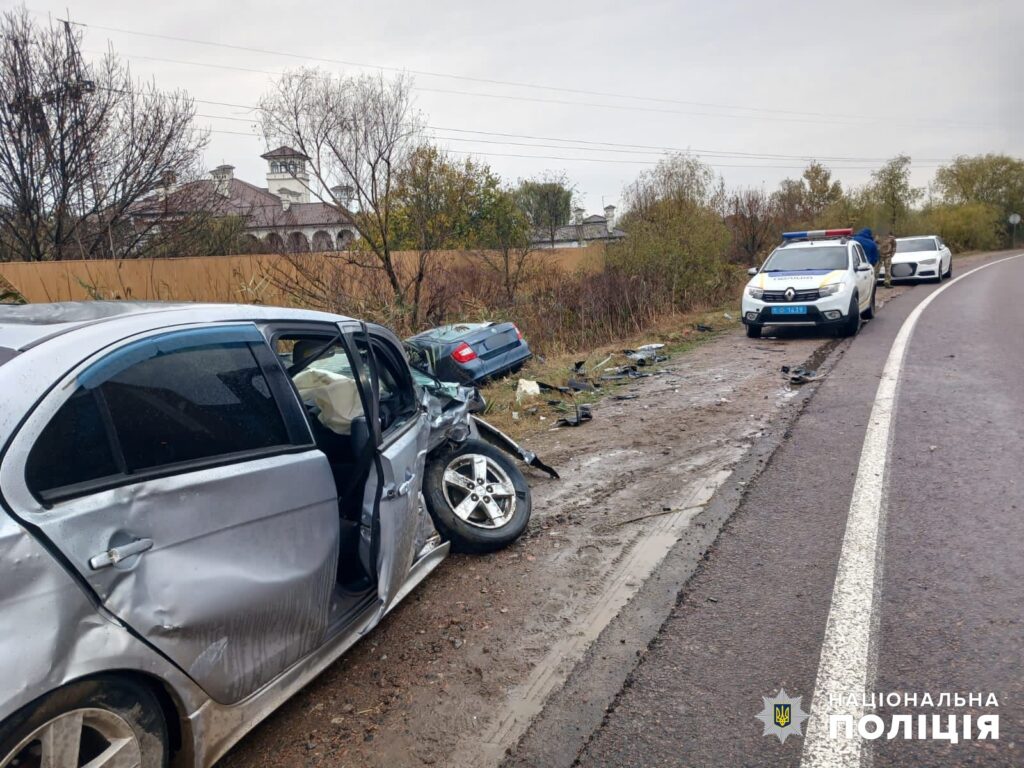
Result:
<point x="694" y="150"/>
<point x="859" y="119"/>
<point x="652" y="150"/>
<point x="508" y="97"/>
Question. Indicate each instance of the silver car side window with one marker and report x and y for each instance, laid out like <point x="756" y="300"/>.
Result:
<point x="175" y="409"/>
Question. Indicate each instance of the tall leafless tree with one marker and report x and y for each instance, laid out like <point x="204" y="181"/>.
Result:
<point x="753" y="220"/>
<point x="81" y="144"/>
<point x="358" y="133"/>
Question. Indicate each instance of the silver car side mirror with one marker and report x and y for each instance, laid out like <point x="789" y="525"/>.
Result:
<point x="752" y="271"/>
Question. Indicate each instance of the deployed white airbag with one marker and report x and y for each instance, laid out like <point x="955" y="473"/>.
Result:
<point x="336" y="396"/>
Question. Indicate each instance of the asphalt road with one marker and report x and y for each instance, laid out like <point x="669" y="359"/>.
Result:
<point x="945" y="595"/>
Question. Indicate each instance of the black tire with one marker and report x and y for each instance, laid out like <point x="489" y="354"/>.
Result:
<point x="132" y="703"/>
<point x="869" y="313"/>
<point x="949" y="272"/>
<point x="853" y="319"/>
<point x="466" y="536"/>
<point x="753" y="331"/>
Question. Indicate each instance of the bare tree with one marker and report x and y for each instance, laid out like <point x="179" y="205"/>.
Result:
<point x="81" y="144"/>
<point x="753" y="220"/>
<point x="358" y="133"/>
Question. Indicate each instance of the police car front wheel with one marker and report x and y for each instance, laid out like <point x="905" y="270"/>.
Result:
<point x="853" y="319"/>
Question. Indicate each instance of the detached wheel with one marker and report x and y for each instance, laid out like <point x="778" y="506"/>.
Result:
<point x="753" y="331"/>
<point x="478" y="498"/>
<point x="103" y="722"/>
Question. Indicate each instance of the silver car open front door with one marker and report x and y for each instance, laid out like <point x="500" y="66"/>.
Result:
<point x="400" y="430"/>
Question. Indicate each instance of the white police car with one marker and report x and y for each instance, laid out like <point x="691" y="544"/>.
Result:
<point x="815" y="278"/>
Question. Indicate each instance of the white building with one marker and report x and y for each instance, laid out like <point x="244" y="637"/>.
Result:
<point x="583" y="231"/>
<point x="280" y="217"/>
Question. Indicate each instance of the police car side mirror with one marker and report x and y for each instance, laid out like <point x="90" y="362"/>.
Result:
<point x="752" y="271"/>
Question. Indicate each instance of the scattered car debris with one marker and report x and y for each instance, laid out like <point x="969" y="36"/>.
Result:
<point x="798" y="375"/>
<point x="496" y="437"/>
<point x="646" y="354"/>
<point x="526" y="388"/>
<point x="581" y="385"/>
<point x="626" y="397"/>
<point x="582" y="415"/>
<point x="703" y="328"/>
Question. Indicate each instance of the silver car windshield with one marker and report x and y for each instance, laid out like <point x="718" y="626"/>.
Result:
<point x="789" y="259"/>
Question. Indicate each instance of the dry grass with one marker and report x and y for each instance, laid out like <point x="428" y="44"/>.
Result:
<point x="521" y="419"/>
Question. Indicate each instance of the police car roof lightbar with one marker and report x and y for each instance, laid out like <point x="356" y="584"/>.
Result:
<point x="816" y="233"/>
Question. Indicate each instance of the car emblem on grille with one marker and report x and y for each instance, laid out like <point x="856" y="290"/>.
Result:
<point x="790" y="294"/>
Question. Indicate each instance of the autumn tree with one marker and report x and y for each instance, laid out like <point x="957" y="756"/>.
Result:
<point x="502" y="233"/>
<point x="80" y="145"/>
<point x="547" y="201"/>
<point x="433" y="209"/>
<point x="677" y="237"/>
<point x="820" y="191"/>
<point x="891" y="188"/>
<point x="990" y="180"/>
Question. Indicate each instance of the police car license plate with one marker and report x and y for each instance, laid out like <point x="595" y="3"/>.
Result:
<point x="789" y="310"/>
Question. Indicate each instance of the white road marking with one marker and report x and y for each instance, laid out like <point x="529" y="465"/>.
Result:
<point x="844" y="667"/>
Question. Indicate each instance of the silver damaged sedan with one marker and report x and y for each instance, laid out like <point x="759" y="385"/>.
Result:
<point x="203" y="506"/>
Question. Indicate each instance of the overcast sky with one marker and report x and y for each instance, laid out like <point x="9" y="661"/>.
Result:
<point x="864" y="80"/>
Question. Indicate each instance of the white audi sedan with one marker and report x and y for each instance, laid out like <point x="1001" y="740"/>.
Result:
<point x="920" y="258"/>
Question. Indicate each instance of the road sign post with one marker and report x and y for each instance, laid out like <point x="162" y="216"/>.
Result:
<point x="1014" y="221"/>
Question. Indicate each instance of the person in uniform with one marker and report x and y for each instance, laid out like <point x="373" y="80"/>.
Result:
<point x="887" y="249"/>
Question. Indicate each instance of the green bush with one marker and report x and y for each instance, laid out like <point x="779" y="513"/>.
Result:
<point x="965" y="227"/>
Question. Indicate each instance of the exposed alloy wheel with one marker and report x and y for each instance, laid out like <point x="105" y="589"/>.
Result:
<point x="478" y="498"/>
<point x="479" y="491"/>
<point x="97" y="723"/>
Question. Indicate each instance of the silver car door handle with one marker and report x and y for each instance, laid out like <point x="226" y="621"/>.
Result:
<point x="405" y="487"/>
<point x="115" y="555"/>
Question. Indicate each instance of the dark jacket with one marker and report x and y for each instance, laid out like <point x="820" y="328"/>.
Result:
<point x="867" y="242"/>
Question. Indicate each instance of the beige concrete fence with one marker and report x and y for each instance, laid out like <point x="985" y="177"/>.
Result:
<point x="242" y="279"/>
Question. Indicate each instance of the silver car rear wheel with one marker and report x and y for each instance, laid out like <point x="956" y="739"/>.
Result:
<point x="82" y="738"/>
<point x="479" y="491"/>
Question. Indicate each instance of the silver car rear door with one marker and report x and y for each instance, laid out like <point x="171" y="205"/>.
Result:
<point x="225" y="561"/>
